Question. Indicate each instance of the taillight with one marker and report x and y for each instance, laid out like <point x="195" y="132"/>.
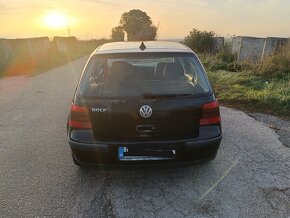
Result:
<point x="79" y="117"/>
<point x="210" y="114"/>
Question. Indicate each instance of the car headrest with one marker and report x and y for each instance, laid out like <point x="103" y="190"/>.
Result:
<point x="173" y="71"/>
<point x="119" y="69"/>
<point x="159" y="69"/>
<point x="120" y="66"/>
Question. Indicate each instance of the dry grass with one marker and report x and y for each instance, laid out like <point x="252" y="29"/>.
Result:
<point x="275" y="65"/>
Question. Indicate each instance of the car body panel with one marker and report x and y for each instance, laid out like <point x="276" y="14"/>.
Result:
<point x="134" y="47"/>
<point x="173" y="124"/>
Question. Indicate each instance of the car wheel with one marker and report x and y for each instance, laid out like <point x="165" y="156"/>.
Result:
<point x="76" y="162"/>
<point x="212" y="157"/>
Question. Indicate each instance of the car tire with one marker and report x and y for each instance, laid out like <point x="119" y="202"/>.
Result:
<point x="76" y="162"/>
<point x="212" y="157"/>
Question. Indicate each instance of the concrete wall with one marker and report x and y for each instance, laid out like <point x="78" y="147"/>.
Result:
<point x="236" y="45"/>
<point x="272" y="44"/>
<point x="38" y="47"/>
<point x="34" y="49"/>
<point x="5" y="50"/>
<point x="254" y="49"/>
<point x="26" y="54"/>
<point x="22" y="56"/>
<point x="29" y="48"/>
<point x="219" y="43"/>
<point x="248" y="48"/>
<point x="64" y="44"/>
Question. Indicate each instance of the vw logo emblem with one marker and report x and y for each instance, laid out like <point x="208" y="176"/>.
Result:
<point x="145" y="111"/>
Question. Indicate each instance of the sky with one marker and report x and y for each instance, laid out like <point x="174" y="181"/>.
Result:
<point x="90" y="19"/>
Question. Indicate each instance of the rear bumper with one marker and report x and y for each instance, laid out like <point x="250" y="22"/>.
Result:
<point x="189" y="150"/>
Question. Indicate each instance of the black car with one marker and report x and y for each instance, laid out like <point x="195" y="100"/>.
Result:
<point x="143" y="102"/>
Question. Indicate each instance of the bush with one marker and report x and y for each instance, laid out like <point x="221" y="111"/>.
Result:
<point x="200" y="41"/>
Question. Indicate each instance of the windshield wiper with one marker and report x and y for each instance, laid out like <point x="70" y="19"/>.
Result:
<point x="151" y="95"/>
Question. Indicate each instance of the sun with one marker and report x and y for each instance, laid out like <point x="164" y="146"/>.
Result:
<point x="55" y="20"/>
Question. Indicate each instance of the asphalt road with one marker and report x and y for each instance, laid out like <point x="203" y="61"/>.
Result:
<point x="249" y="178"/>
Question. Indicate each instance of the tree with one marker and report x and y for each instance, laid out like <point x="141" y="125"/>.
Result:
<point x="138" y="25"/>
<point x="118" y="34"/>
<point x="147" y="33"/>
<point x="200" y="41"/>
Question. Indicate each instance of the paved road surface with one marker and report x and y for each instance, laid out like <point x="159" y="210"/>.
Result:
<point x="249" y="178"/>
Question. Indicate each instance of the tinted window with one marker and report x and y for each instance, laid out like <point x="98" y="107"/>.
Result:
<point x="139" y="75"/>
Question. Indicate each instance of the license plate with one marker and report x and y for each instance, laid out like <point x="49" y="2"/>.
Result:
<point x="129" y="154"/>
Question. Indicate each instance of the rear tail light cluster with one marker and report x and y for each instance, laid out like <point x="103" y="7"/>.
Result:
<point x="210" y="114"/>
<point x="79" y="117"/>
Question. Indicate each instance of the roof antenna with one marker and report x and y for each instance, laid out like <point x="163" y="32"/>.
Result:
<point x="142" y="46"/>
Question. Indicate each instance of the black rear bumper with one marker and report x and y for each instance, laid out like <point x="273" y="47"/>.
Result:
<point x="107" y="153"/>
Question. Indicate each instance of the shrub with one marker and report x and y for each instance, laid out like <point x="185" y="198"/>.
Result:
<point x="200" y="41"/>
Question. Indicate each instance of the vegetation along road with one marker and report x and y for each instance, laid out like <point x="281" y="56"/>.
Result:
<point x="249" y="178"/>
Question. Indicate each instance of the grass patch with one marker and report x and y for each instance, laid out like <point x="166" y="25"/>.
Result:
<point x="252" y="92"/>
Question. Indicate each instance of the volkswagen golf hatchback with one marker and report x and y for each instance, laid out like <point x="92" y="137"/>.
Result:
<point x="143" y="102"/>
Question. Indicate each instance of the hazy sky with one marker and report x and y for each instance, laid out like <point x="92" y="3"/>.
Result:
<point x="95" y="18"/>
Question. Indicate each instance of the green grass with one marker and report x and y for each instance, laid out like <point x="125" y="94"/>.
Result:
<point x="250" y="91"/>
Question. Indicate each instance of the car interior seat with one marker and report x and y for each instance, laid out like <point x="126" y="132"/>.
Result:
<point x="173" y="71"/>
<point x="119" y="70"/>
<point x="158" y="71"/>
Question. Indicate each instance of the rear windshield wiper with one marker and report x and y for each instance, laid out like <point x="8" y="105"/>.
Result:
<point x="151" y="95"/>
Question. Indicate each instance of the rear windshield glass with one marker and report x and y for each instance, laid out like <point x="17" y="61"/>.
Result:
<point x="143" y="75"/>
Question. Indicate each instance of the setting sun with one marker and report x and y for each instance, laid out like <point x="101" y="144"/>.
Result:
<point x="55" y="20"/>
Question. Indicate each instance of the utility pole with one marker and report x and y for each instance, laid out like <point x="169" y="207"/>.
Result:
<point x="68" y="31"/>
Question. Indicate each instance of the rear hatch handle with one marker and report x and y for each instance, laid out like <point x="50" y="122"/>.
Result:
<point x="145" y="128"/>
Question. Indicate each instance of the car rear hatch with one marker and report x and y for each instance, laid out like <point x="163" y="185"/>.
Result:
<point x="145" y="96"/>
<point x="122" y="120"/>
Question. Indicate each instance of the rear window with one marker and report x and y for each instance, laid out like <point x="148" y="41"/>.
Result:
<point x="129" y="75"/>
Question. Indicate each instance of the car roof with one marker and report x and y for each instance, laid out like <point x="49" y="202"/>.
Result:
<point x="134" y="47"/>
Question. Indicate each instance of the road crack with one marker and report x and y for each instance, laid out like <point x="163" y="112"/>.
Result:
<point x="277" y="198"/>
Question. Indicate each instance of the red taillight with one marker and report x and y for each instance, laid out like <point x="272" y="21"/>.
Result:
<point x="79" y="117"/>
<point x="210" y="114"/>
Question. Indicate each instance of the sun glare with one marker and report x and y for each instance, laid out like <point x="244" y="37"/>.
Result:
<point x="55" y="20"/>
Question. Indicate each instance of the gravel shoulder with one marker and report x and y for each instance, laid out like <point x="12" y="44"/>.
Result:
<point x="280" y="126"/>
